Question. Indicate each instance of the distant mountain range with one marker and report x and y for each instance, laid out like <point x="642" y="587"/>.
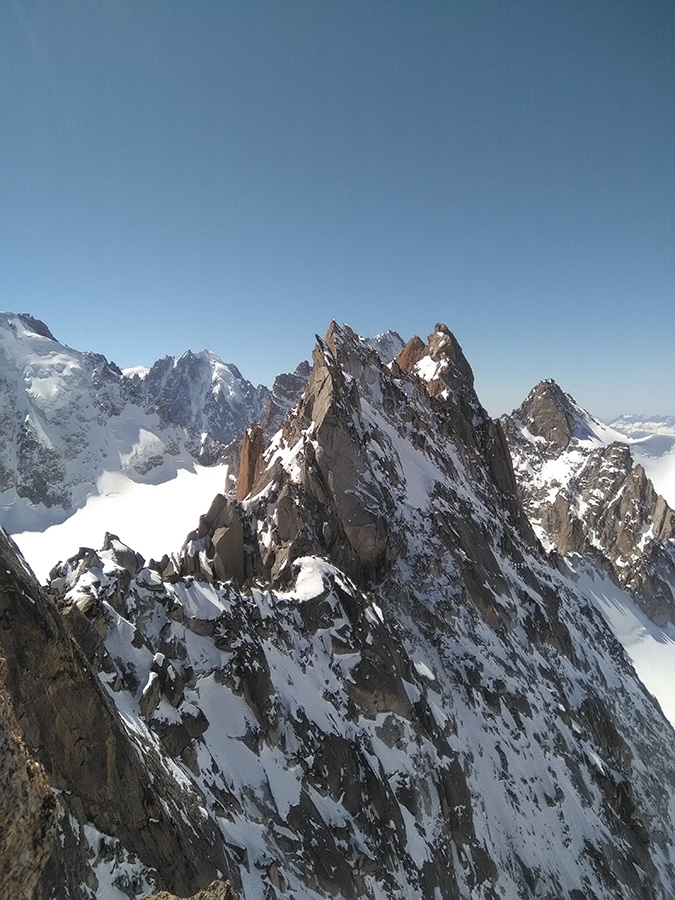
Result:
<point x="644" y="426"/>
<point x="69" y="416"/>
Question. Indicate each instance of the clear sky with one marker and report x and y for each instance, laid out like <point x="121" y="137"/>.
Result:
<point x="234" y="174"/>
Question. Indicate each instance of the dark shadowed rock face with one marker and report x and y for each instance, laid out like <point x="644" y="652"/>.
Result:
<point x="104" y="780"/>
<point x="28" y="809"/>
<point x="585" y="495"/>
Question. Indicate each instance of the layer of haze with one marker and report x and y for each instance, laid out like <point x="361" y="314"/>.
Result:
<point x="233" y="175"/>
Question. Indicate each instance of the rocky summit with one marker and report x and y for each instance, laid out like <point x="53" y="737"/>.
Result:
<point x="363" y="676"/>
<point x="586" y="496"/>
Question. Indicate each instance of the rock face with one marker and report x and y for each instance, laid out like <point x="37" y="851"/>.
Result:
<point x="28" y="809"/>
<point x="286" y="391"/>
<point x="117" y="800"/>
<point x="207" y="397"/>
<point x="345" y="484"/>
<point x="219" y="890"/>
<point x="66" y="417"/>
<point x="585" y="495"/>
<point x="363" y="679"/>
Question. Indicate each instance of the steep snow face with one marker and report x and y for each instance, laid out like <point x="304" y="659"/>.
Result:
<point x="650" y="647"/>
<point x="69" y="417"/>
<point x="585" y="495"/>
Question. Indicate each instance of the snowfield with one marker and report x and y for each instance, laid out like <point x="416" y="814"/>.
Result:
<point x="153" y="519"/>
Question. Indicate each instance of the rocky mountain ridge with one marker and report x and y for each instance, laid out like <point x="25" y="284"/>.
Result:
<point x="364" y="678"/>
<point x="585" y="495"/>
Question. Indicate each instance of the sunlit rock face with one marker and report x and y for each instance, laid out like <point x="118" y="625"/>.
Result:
<point x="586" y="496"/>
<point x="363" y="676"/>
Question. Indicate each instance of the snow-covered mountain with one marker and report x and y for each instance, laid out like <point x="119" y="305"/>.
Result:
<point x="585" y="495"/>
<point x="364" y="679"/>
<point x="210" y="399"/>
<point x="68" y="417"/>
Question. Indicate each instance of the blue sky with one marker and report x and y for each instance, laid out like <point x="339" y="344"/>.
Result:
<point x="234" y="174"/>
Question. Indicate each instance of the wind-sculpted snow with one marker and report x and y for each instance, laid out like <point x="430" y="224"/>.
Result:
<point x="369" y="676"/>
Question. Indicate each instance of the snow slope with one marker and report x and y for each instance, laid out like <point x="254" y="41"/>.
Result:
<point x="650" y="648"/>
<point x="154" y="519"/>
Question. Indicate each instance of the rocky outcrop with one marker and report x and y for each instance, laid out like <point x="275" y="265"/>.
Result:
<point x="585" y="495"/>
<point x="218" y="890"/>
<point x="548" y="413"/>
<point x="103" y="779"/>
<point x="286" y="391"/>
<point x="28" y="809"/>
<point x="251" y="458"/>
<point x="330" y="473"/>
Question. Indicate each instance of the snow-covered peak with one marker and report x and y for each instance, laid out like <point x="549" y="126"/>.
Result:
<point x="69" y="417"/>
<point x="586" y="494"/>
<point x="136" y="371"/>
<point x="387" y="345"/>
<point x="24" y="324"/>
<point x="206" y="396"/>
<point x="563" y="431"/>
